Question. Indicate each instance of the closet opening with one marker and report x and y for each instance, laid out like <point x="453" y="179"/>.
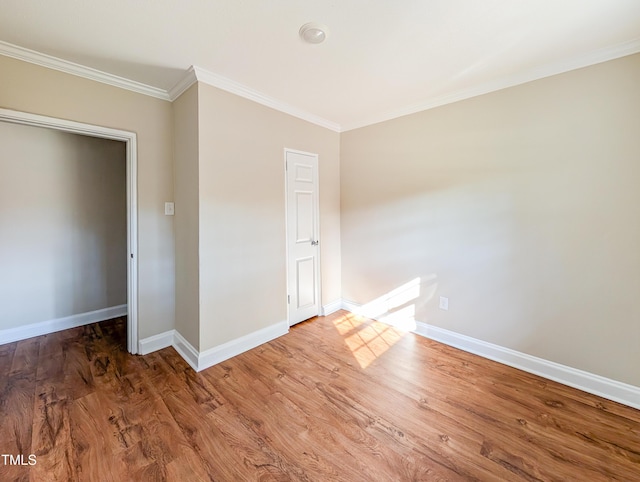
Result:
<point x="68" y="226"/>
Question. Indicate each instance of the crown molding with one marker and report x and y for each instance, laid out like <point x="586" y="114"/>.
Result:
<point x="585" y="60"/>
<point x="194" y="74"/>
<point x="188" y="79"/>
<point x="241" y="90"/>
<point x="44" y="60"/>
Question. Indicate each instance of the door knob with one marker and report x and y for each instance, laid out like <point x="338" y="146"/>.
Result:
<point x="315" y="243"/>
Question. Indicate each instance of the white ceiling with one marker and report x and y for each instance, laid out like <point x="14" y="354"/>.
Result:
<point x="382" y="58"/>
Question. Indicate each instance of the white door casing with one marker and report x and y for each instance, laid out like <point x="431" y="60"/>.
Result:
<point x="130" y="139"/>
<point x="303" y="241"/>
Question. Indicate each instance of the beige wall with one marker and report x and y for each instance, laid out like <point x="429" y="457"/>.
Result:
<point x="185" y="120"/>
<point x="63" y="219"/>
<point x="242" y="213"/>
<point x="30" y="88"/>
<point x="521" y="206"/>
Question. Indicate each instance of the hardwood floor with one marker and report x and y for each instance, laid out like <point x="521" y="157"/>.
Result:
<point x="338" y="398"/>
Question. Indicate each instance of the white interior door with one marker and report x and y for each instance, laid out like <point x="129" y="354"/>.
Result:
<point x="303" y="243"/>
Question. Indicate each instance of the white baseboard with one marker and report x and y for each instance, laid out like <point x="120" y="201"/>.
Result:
<point x="156" y="342"/>
<point x="582" y="380"/>
<point x="167" y="339"/>
<point x="232" y="348"/>
<point x="51" y="326"/>
<point x="199" y="361"/>
<point x="352" y="307"/>
<point x="186" y="350"/>
<point x="331" y="307"/>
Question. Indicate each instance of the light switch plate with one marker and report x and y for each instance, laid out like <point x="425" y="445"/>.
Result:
<point x="169" y="209"/>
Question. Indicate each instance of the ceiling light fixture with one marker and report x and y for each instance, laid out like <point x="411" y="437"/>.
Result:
<point x="313" y="33"/>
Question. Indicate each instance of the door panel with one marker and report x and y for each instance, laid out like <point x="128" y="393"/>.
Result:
<point x="304" y="216"/>
<point x="303" y="276"/>
<point x="306" y="283"/>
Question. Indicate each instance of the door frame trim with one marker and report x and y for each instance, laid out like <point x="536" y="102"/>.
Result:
<point x="286" y="229"/>
<point x="130" y="139"/>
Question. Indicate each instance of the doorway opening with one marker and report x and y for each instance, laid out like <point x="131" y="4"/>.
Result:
<point x="129" y="138"/>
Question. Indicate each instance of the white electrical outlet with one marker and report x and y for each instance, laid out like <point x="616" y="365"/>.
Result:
<point x="169" y="209"/>
<point x="444" y="303"/>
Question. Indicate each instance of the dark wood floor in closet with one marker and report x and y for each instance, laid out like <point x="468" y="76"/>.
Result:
<point x="339" y="398"/>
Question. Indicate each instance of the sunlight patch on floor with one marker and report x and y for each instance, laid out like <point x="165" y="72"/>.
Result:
<point x="396" y="310"/>
<point x="367" y="342"/>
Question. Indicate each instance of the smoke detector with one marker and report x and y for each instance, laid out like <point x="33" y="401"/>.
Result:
<point x="313" y="33"/>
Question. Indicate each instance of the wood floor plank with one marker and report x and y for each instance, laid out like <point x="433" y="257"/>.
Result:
<point x="16" y="406"/>
<point x="269" y="410"/>
<point x="17" y="395"/>
<point x="25" y="358"/>
<point x="188" y="467"/>
<point x="339" y="398"/>
<point x="6" y="358"/>
<point x="52" y="443"/>
<point x="98" y="453"/>
<point x="329" y="423"/>
<point x="216" y="456"/>
<point x="331" y="388"/>
<point x="16" y="412"/>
